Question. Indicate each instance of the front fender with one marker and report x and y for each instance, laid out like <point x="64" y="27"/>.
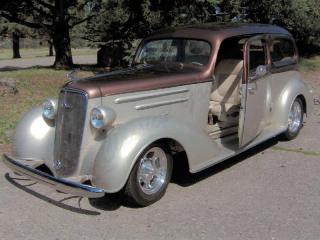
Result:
<point x="34" y="138"/>
<point x="290" y="92"/>
<point x="125" y="143"/>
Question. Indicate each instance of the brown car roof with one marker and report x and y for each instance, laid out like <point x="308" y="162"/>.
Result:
<point x="218" y="31"/>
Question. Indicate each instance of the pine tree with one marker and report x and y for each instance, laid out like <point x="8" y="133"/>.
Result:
<point x="300" y="17"/>
<point x="123" y="21"/>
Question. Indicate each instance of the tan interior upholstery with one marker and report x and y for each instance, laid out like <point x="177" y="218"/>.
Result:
<point x="225" y="97"/>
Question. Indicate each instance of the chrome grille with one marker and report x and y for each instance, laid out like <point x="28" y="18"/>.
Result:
<point x="69" y="130"/>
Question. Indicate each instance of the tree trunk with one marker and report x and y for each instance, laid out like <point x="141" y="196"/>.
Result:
<point x="61" y="36"/>
<point x="16" y="45"/>
<point x="50" y="48"/>
<point x="62" y="47"/>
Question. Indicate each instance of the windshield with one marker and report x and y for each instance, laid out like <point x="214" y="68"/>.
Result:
<point x="173" y="50"/>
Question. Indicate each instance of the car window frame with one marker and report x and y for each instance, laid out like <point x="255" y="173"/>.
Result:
<point x="266" y="60"/>
<point x="287" y="64"/>
<point x="142" y="43"/>
<point x="246" y="75"/>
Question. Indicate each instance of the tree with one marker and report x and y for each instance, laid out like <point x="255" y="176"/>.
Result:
<point x="15" y="32"/>
<point x="182" y="12"/>
<point x="55" y="17"/>
<point x="16" y="44"/>
<point x="300" y="17"/>
<point x="123" y="21"/>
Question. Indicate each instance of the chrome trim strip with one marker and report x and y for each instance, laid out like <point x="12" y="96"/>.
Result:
<point x="159" y="104"/>
<point x="138" y="97"/>
<point x="59" y="184"/>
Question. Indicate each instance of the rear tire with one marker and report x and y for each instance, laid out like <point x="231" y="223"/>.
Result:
<point x="150" y="176"/>
<point x="295" y="120"/>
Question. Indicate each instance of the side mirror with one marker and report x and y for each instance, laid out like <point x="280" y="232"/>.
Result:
<point x="261" y="71"/>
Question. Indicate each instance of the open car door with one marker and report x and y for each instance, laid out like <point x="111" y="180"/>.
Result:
<point x="253" y="89"/>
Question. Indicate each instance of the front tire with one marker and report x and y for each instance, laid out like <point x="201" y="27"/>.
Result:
<point x="295" y="120"/>
<point x="150" y="176"/>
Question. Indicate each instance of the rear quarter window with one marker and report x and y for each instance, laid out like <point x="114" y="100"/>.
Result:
<point x="282" y="52"/>
<point x="197" y="52"/>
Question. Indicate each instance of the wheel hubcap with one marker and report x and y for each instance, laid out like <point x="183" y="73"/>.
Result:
<point x="152" y="170"/>
<point x="295" y="116"/>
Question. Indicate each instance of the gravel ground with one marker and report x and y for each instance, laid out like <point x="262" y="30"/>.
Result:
<point x="266" y="193"/>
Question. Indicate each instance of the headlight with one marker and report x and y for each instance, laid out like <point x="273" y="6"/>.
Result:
<point x="102" y="117"/>
<point x="49" y="109"/>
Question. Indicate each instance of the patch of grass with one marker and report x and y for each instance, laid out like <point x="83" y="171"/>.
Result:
<point x="35" y="86"/>
<point x="309" y="64"/>
<point x="299" y="150"/>
<point x="6" y="54"/>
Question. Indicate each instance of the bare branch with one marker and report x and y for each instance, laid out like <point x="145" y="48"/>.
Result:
<point x="26" y="23"/>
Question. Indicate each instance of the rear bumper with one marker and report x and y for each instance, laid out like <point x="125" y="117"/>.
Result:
<point x="60" y="184"/>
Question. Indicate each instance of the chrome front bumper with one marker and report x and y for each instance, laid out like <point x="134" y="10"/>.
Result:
<point x="60" y="184"/>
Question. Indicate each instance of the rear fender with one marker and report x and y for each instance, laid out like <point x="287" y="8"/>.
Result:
<point x="291" y="91"/>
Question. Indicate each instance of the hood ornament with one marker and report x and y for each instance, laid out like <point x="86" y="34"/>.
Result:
<point x="72" y="76"/>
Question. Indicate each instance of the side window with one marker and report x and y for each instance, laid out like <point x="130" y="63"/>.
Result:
<point x="197" y="52"/>
<point x="257" y="56"/>
<point x="282" y="52"/>
<point x="160" y="50"/>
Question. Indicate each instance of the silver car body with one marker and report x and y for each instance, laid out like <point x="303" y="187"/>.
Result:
<point x="178" y="114"/>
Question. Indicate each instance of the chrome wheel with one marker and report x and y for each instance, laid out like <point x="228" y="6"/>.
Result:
<point x="295" y="120"/>
<point x="150" y="176"/>
<point x="295" y="117"/>
<point x="152" y="171"/>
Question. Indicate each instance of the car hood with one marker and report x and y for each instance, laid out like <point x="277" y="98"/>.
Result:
<point x="140" y="79"/>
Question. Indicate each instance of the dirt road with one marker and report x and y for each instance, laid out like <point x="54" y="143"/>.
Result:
<point x="43" y="61"/>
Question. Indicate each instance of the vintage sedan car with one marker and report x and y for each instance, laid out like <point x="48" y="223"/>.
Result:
<point x="211" y="91"/>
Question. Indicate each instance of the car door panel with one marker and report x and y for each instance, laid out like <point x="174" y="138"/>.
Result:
<point x="253" y="91"/>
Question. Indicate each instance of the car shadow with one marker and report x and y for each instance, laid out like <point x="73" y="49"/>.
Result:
<point x="25" y="187"/>
<point x="111" y="202"/>
<point x="182" y="177"/>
